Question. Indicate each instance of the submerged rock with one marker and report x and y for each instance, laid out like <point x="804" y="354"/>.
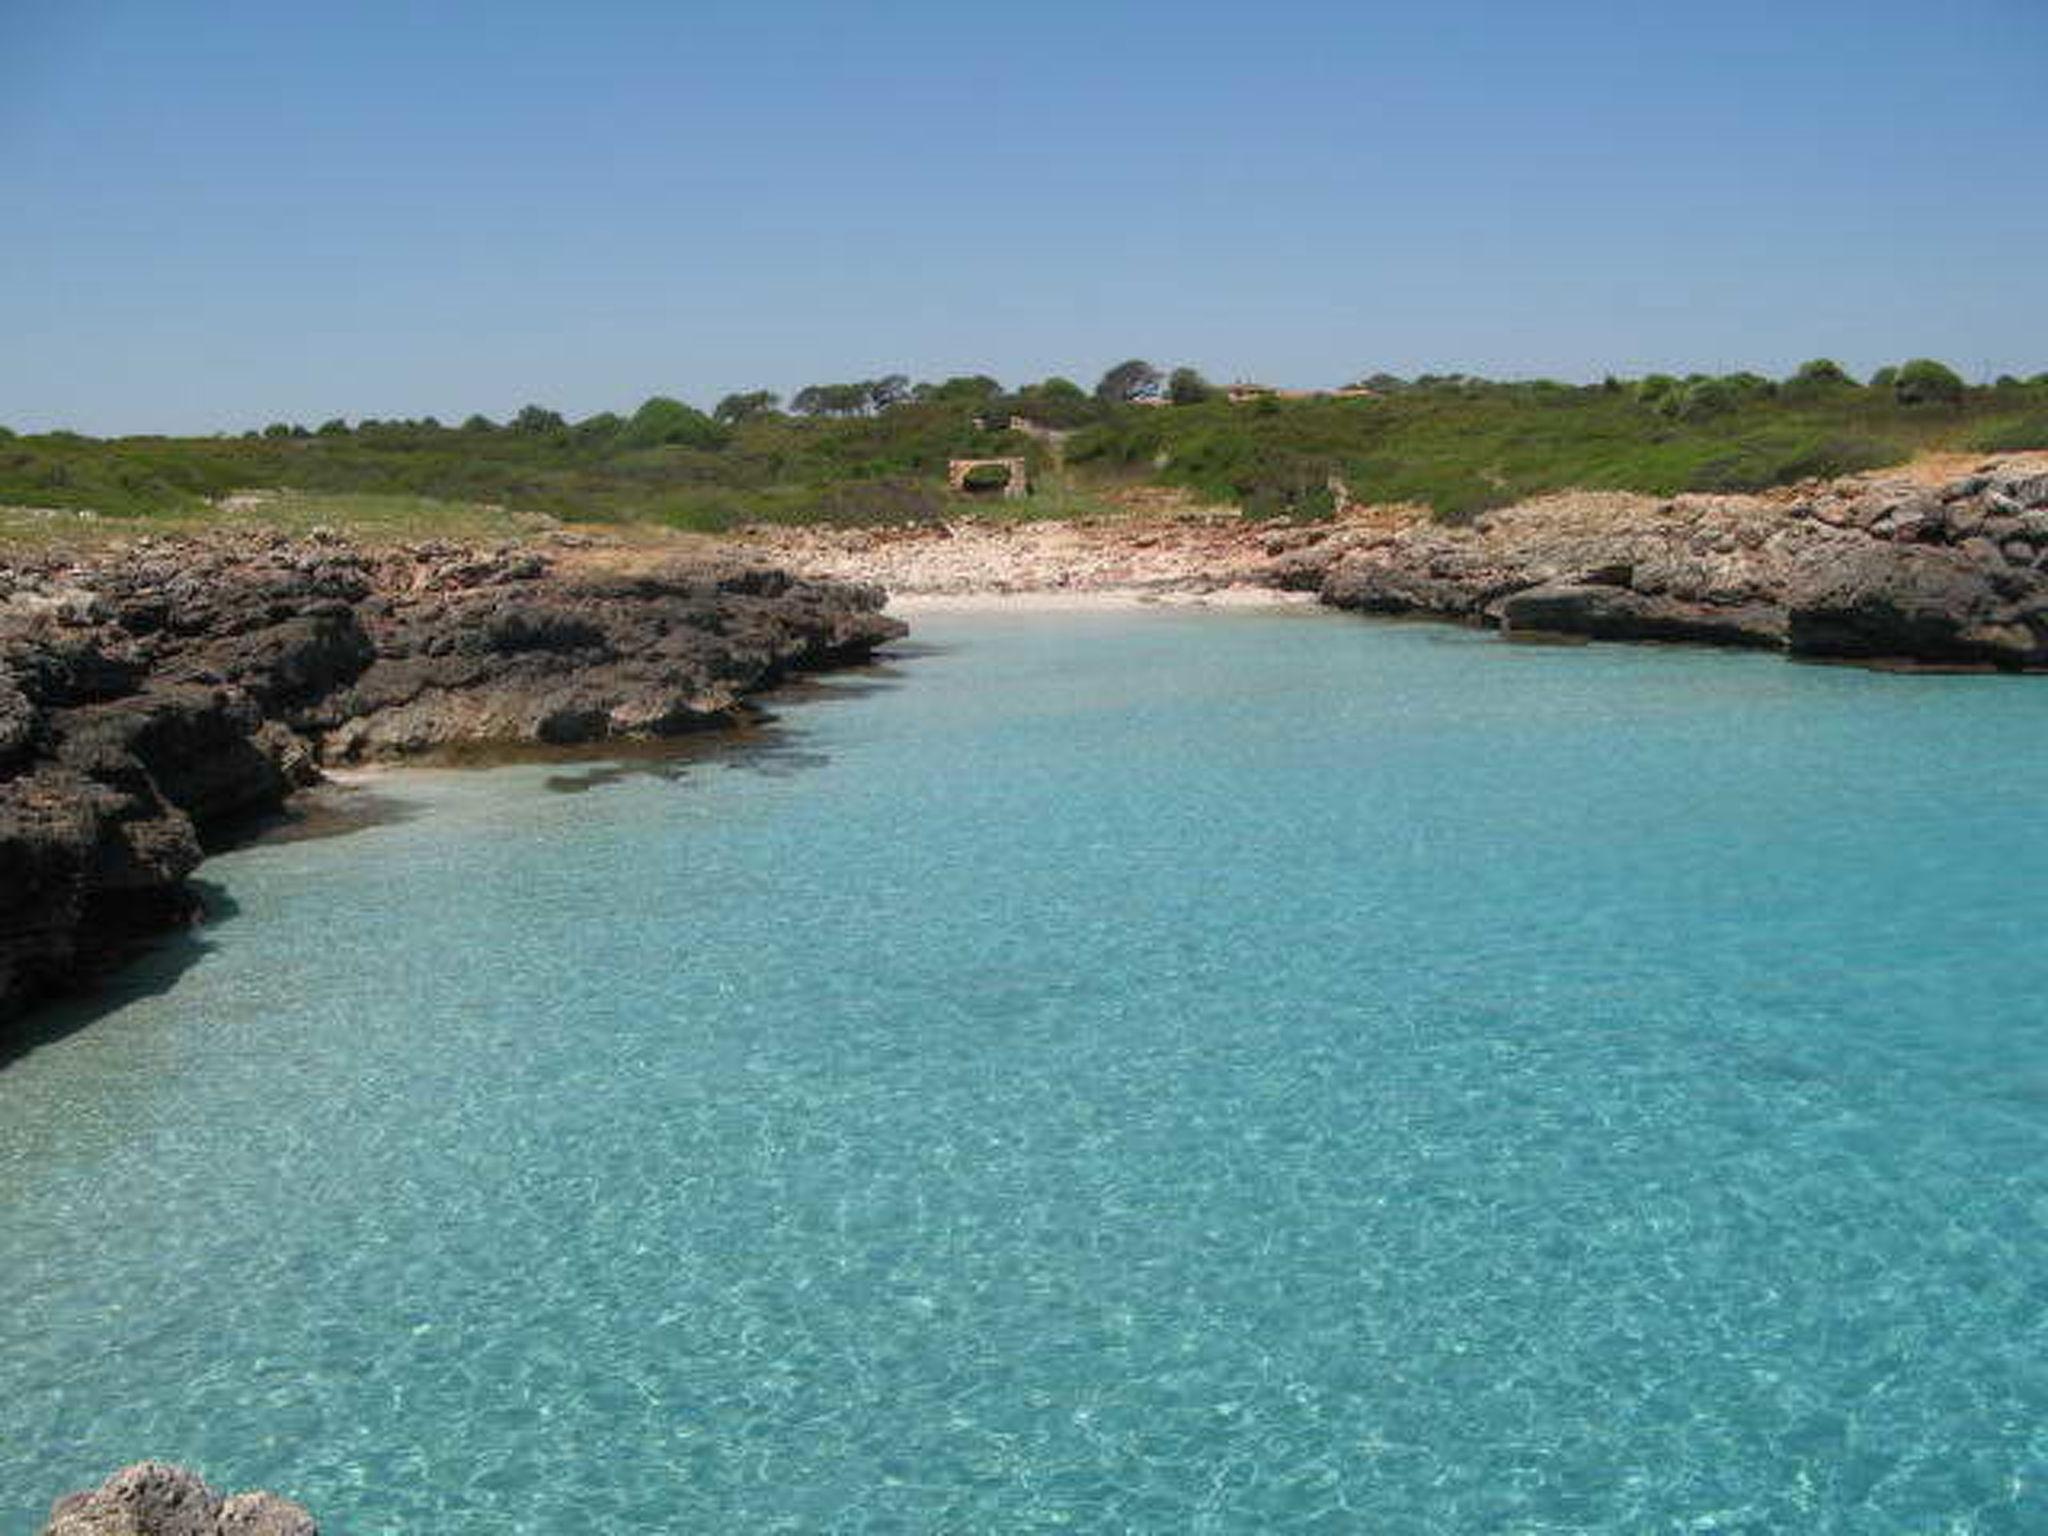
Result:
<point x="154" y="1499"/>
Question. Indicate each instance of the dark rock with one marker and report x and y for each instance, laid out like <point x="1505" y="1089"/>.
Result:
<point x="1931" y="605"/>
<point x="174" y="688"/>
<point x="48" y="831"/>
<point x="1374" y="584"/>
<point x="1618" y="573"/>
<point x="18" y="719"/>
<point x="1613" y="613"/>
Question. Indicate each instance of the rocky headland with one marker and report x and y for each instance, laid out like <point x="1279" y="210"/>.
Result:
<point x="155" y="695"/>
<point x="1923" y="570"/>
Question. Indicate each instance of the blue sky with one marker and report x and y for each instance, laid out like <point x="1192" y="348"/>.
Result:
<point x="220" y="214"/>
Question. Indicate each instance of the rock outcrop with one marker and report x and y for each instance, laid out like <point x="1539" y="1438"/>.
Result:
<point x="153" y="1499"/>
<point x="1950" y="573"/>
<point x="156" y="695"/>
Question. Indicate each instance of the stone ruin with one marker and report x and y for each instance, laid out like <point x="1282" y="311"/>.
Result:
<point x="1018" y="485"/>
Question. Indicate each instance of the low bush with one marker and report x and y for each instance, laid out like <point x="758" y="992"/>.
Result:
<point x="2014" y="435"/>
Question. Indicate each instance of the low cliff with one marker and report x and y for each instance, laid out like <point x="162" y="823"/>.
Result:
<point x="155" y="694"/>
<point x="1949" y="572"/>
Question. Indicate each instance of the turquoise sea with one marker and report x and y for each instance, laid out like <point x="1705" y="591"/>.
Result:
<point x="1157" y="1072"/>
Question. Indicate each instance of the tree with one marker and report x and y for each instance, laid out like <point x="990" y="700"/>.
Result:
<point x="1923" y="381"/>
<point x="334" y="428"/>
<point x="961" y="389"/>
<point x="663" y="421"/>
<point x="1134" y="379"/>
<point x="890" y="389"/>
<point x="537" y="419"/>
<point x="479" y="424"/>
<point x="1813" y="380"/>
<point x="1058" y="403"/>
<point x="1187" y="387"/>
<point x="1821" y="373"/>
<point x="831" y="399"/>
<point x="736" y="408"/>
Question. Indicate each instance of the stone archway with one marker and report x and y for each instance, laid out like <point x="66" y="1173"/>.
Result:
<point x="973" y="477"/>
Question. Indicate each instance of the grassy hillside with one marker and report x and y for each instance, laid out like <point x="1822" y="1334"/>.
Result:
<point x="1463" y="447"/>
<point x="873" y="455"/>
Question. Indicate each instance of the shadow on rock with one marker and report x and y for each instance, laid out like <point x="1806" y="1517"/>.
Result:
<point x="145" y="966"/>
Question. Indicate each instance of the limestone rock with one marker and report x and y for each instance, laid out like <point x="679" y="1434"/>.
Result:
<point x="265" y="1514"/>
<point x="1867" y="569"/>
<point x="153" y="1499"/>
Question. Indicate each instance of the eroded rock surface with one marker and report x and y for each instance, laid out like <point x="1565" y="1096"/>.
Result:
<point x="156" y="694"/>
<point x="1953" y="572"/>
<point x="154" y="1499"/>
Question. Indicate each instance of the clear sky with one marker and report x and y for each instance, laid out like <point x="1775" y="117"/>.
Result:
<point x="217" y="214"/>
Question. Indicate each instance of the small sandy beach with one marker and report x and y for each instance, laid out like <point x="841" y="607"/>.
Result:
<point x="1093" y="600"/>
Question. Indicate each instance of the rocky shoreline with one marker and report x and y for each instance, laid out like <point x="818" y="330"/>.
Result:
<point x="1940" y="565"/>
<point x="154" y="696"/>
<point x="1929" y="571"/>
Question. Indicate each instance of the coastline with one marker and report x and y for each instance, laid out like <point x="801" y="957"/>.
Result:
<point x="1940" y="563"/>
<point x="159" y="696"/>
<point x="171" y="696"/>
<point x="911" y="605"/>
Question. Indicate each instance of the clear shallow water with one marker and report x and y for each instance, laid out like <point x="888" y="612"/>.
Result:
<point x="1115" y="1072"/>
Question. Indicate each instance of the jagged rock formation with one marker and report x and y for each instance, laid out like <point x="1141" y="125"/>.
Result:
<point x="152" y="1499"/>
<point x="1875" y="570"/>
<point x="163" y="691"/>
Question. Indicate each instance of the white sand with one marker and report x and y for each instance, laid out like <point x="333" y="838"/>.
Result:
<point x="1091" y="600"/>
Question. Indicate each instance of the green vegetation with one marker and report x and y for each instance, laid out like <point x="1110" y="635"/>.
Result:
<point x="2012" y="435"/>
<point x="985" y="478"/>
<point x="1461" y="445"/>
<point x="876" y="450"/>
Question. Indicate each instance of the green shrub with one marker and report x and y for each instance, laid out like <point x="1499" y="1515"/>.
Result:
<point x="1923" y="381"/>
<point x="1822" y="373"/>
<point x="662" y="421"/>
<point x="1758" y="464"/>
<point x="2014" y="435"/>
<point x="1187" y="387"/>
<point x="1704" y="398"/>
